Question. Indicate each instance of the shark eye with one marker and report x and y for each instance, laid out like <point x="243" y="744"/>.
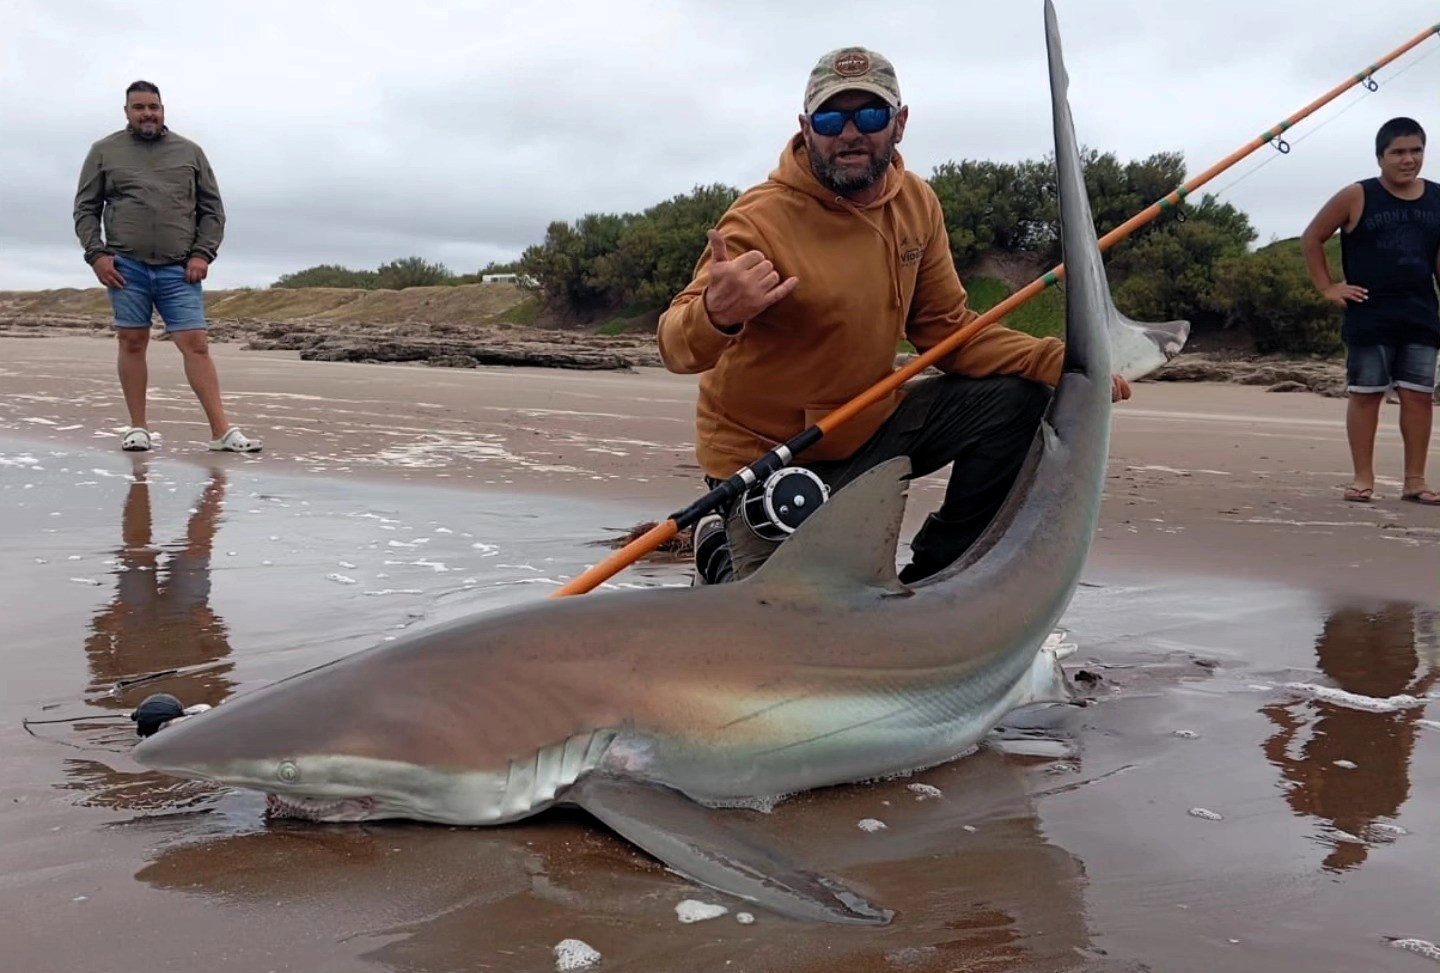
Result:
<point x="288" y="772"/>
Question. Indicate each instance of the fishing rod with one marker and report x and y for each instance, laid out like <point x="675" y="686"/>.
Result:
<point x="781" y="455"/>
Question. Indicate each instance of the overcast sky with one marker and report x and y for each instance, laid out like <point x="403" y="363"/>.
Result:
<point x="358" y="132"/>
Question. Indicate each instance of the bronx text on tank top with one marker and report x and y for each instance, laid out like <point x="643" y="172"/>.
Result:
<point x="1391" y="253"/>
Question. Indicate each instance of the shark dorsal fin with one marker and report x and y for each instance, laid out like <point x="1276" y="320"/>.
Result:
<point x="850" y="542"/>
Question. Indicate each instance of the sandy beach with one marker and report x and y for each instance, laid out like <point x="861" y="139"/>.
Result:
<point x="1217" y="805"/>
<point x="1205" y="477"/>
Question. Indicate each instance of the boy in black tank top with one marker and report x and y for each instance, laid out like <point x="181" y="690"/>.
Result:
<point x="1390" y="249"/>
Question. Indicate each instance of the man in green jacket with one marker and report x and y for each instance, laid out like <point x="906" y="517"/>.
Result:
<point x="156" y="197"/>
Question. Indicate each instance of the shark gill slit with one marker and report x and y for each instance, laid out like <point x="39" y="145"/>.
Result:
<point x="535" y="781"/>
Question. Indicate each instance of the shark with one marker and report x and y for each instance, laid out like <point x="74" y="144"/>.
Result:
<point x="820" y="669"/>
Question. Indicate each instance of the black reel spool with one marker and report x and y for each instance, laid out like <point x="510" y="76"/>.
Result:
<point x="775" y="506"/>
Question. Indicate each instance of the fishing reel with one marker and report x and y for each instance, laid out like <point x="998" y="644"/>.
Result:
<point x="775" y="506"/>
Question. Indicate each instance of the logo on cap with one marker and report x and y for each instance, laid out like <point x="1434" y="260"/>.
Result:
<point x="852" y="65"/>
<point x="852" y="68"/>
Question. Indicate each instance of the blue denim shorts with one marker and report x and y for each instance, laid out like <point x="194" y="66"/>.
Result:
<point x="1379" y="368"/>
<point x="156" y="288"/>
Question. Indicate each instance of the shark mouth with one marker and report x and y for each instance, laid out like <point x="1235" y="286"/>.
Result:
<point x="313" y="809"/>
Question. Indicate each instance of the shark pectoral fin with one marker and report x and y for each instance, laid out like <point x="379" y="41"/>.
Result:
<point x="849" y="543"/>
<point x="700" y="844"/>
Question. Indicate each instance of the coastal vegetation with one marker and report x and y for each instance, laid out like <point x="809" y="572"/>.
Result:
<point x="614" y="272"/>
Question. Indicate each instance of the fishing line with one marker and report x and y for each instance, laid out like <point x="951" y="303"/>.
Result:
<point x="26" y="725"/>
<point x="1360" y="98"/>
<point x="75" y="719"/>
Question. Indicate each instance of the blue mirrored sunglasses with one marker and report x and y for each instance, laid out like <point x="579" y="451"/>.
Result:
<point x="868" y="120"/>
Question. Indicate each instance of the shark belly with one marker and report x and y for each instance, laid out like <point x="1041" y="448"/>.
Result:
<point x="848" y="733"/>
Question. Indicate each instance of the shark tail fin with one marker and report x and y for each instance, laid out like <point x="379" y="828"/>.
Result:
<point x="1137" y="349"/>
<point x="1127" y="348"/>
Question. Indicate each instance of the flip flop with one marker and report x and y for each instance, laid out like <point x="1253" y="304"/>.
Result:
<point x="1428" y="498"/>
<point x="1356" y="495"/>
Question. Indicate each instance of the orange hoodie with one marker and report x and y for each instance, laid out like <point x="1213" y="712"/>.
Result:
<point x="868" y="276"/>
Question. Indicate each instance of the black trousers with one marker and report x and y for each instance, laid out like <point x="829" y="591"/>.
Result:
<point x="984" y="426"/>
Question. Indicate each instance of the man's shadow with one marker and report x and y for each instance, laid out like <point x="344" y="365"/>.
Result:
<point x="1379" y="652"/>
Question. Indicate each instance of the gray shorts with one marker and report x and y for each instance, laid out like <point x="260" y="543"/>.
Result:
<point x="1379" y="368"/>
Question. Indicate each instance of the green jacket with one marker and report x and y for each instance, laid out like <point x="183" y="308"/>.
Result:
<point x="159" y="199"/>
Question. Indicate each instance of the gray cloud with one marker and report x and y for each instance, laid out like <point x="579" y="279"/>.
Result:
<point x="358" y="132"/>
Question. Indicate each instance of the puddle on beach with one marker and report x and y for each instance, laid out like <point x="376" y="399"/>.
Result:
<point x="1253" y="783"/>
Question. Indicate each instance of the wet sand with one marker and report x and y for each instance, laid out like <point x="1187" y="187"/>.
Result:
<point x="1215" y="806"/>
<point x="1212" y="478"/>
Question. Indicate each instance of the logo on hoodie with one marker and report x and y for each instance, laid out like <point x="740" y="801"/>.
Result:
<point x="910" y="252"/>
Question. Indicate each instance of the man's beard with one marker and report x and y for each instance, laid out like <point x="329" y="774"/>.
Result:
<point x="838" y="180"/>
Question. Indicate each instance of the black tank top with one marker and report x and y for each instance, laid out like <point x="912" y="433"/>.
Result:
<point x="1391" y="253"/>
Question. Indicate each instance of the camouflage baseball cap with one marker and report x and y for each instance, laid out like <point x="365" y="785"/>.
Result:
<point x="852" y="69"/>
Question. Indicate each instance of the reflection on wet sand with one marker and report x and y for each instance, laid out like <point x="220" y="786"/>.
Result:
<point x="1109" y="877"/>
<point x="1351" y="770"/>
<point x="974" y="882"/>
<point x="160" y="618"/>
<point x="159" y="621"/>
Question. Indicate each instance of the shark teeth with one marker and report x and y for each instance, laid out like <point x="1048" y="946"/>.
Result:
<point x="313" y="809"/>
